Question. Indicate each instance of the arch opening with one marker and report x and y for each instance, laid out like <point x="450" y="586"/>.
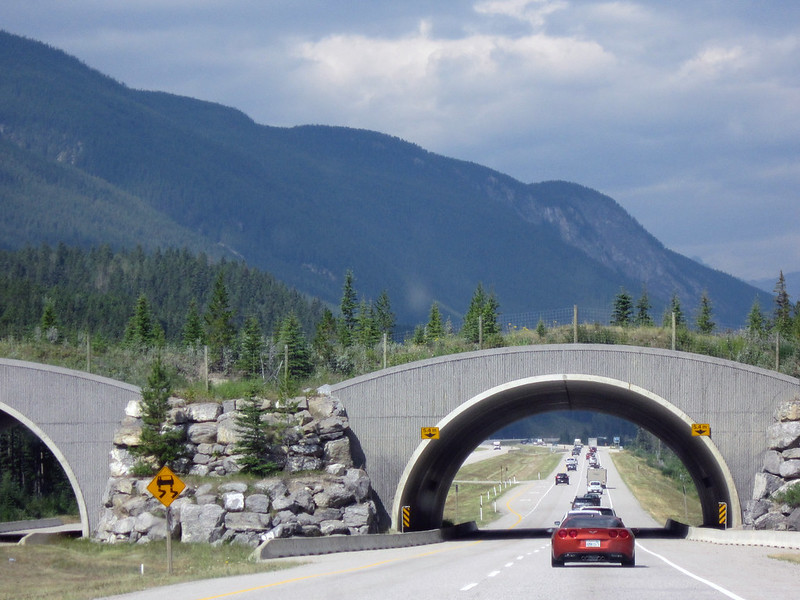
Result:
<point x="426" y="480"/>
<point x="10" y="418"/>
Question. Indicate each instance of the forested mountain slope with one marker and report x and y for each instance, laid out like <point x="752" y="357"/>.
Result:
<point x="87" y="160"/>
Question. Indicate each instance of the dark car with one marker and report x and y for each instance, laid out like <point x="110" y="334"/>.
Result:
<point x="562" y="478"/>
<point x="572" y="467"/>
<point x="592" y="538"/>
<point x="587" y="500"/>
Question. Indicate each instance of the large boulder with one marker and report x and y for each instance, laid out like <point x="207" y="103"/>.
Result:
<point x="202" y="523"/>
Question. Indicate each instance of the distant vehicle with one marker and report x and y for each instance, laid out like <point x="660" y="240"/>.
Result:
<point x="597" y="474"/>
<point x="586" y="500"/>
<point x="603" y="510"/>
<point x="593" y="444"/>
<point x="594" y="487"/>
<point x="496" y="445"/>
<point x="576" y="451"/>
<point x="592" y="538"/>
<point x="562" y="478"/>
<point x="577" y="442"/>
<point x="572" y="467"/>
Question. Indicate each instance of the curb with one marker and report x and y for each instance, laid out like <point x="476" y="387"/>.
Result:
<point x="288" y="547"/>
<point x="746" y="537"/>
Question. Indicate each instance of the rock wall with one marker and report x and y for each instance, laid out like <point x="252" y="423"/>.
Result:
<point x="781" y="472"/>
<point x="318" y="492"/>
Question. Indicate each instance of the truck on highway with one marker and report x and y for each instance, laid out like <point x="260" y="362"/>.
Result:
<point x="592" y="443"/>
<point x="597" y="474"/>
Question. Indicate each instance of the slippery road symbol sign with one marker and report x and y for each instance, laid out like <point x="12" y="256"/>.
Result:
<point x="166" y="486"/>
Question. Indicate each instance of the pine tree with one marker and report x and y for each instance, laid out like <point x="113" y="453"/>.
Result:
<point x="783" y="307"/>
<point x="220" y="330"/>
<point x="704" y="322"/>
<point x="481" y="317"/>
<point x="756" y="323"/>
<point x="257" y="436"/>
<point x="674" y="308"/>
<point x="142" y="329"/>
<point x="160" y="443"/>
<point x="325" y="337"/>
<point x="367" y="328"/>
<point x="434" y="330"/>
<point x="643" y="306"/>
<point x="251" y="348"/>
<point x="193" y="334"/>
<point x="384" y="317"/>
<point x="622" y="314"/>
<point x="49" y="321"/>
<point x="291" y="335"/>
<point x="348" y="310"/>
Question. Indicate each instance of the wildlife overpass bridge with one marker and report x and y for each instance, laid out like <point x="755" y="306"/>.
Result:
<point x="468" y="396"/>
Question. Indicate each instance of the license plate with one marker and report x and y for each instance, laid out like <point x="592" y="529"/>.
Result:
<point x="592" y="543"/>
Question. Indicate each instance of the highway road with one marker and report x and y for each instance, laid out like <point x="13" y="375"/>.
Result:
<point x="507" y="569"/>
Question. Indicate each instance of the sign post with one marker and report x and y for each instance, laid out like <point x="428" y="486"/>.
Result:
<point x="166" y="486"/>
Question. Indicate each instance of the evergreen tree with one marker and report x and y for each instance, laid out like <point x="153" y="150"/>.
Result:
<point x="623" y="309"/>
<point x="418" y="337"/>
<point x="384" y="317"/>
<point x="704" y="322"/>
<point x="674" y="308"/>
<point x="49" y="321"/>
<point x="434" y="330"/>
<point x="367" y="330"/>
<point x="482" y="313"/>
<point x="160" y="443"/>
<point x="783" y="308"/>
<point x="324" y="343"/>
<point x="257" y="436"/>
<point x="143" y="330"/>
<point x="756" y="323"/>
<point x="251" y="349"/>
<point x="220" y="330"/>
<point x="193" y="334"/>
<point x="643" y="306"/>
<point x="348" y="310"/>
<point x="291" y="335"/>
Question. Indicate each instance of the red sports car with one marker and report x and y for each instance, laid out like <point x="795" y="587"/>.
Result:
<point x="593" y="538"/>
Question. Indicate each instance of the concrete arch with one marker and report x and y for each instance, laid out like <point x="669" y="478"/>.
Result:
<point x="76" y="415"/>
<point x="661" y="390"/>
<point x="426" y="480"/>
<point x="59" y="456"/>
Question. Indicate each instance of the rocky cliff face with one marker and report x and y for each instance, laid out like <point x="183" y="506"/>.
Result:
<point x="781" y="472"/>
<point x="319" y="491"/>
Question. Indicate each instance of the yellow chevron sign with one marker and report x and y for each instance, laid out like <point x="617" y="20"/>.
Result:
<point x="701" y="429"/>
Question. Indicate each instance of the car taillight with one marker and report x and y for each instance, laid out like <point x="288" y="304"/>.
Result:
<point x="573" y="533"/>
<point x="562" y="533"/>
<point x="623" y="534"/>
<point x="612" y="533"/>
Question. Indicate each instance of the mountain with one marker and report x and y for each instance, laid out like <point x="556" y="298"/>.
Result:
<point x="87" y="160"/>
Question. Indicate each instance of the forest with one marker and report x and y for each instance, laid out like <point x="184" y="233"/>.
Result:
<point x="115" y="312"/>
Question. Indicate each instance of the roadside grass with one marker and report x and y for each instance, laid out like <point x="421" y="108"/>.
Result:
<point x="480" y="483"/>
<point x="77" y="569"/>
<point x="659" y="495"/>
<point x="792" y="558"/>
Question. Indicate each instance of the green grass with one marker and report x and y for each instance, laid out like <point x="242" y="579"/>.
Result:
<point x="81" y="570"/>
<point x="522" y="463"/>
<point x="659" y="495"/>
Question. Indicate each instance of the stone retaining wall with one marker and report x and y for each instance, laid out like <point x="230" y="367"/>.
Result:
<point x="319" y="491"/>
<point x="781" y="472"/>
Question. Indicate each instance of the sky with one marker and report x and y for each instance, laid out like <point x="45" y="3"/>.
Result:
<point x="687" y="113"/>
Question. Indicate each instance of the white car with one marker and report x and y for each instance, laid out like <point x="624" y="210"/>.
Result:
<point x="594" y="487"/>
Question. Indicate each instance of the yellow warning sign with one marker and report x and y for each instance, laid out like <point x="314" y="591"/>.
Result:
<point x="406" y="517"/>
<point x="430" y="433"/>
<point x="166" y="486"/>
<point x="701" y="429"/>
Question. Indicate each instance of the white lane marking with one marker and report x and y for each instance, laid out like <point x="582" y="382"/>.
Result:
<point x="710" y="584"/>
<point x="520" y="557"/>
<point x="493" y="573"/>
<point x="511" y="564"/>
<point x="468" y="587"/>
